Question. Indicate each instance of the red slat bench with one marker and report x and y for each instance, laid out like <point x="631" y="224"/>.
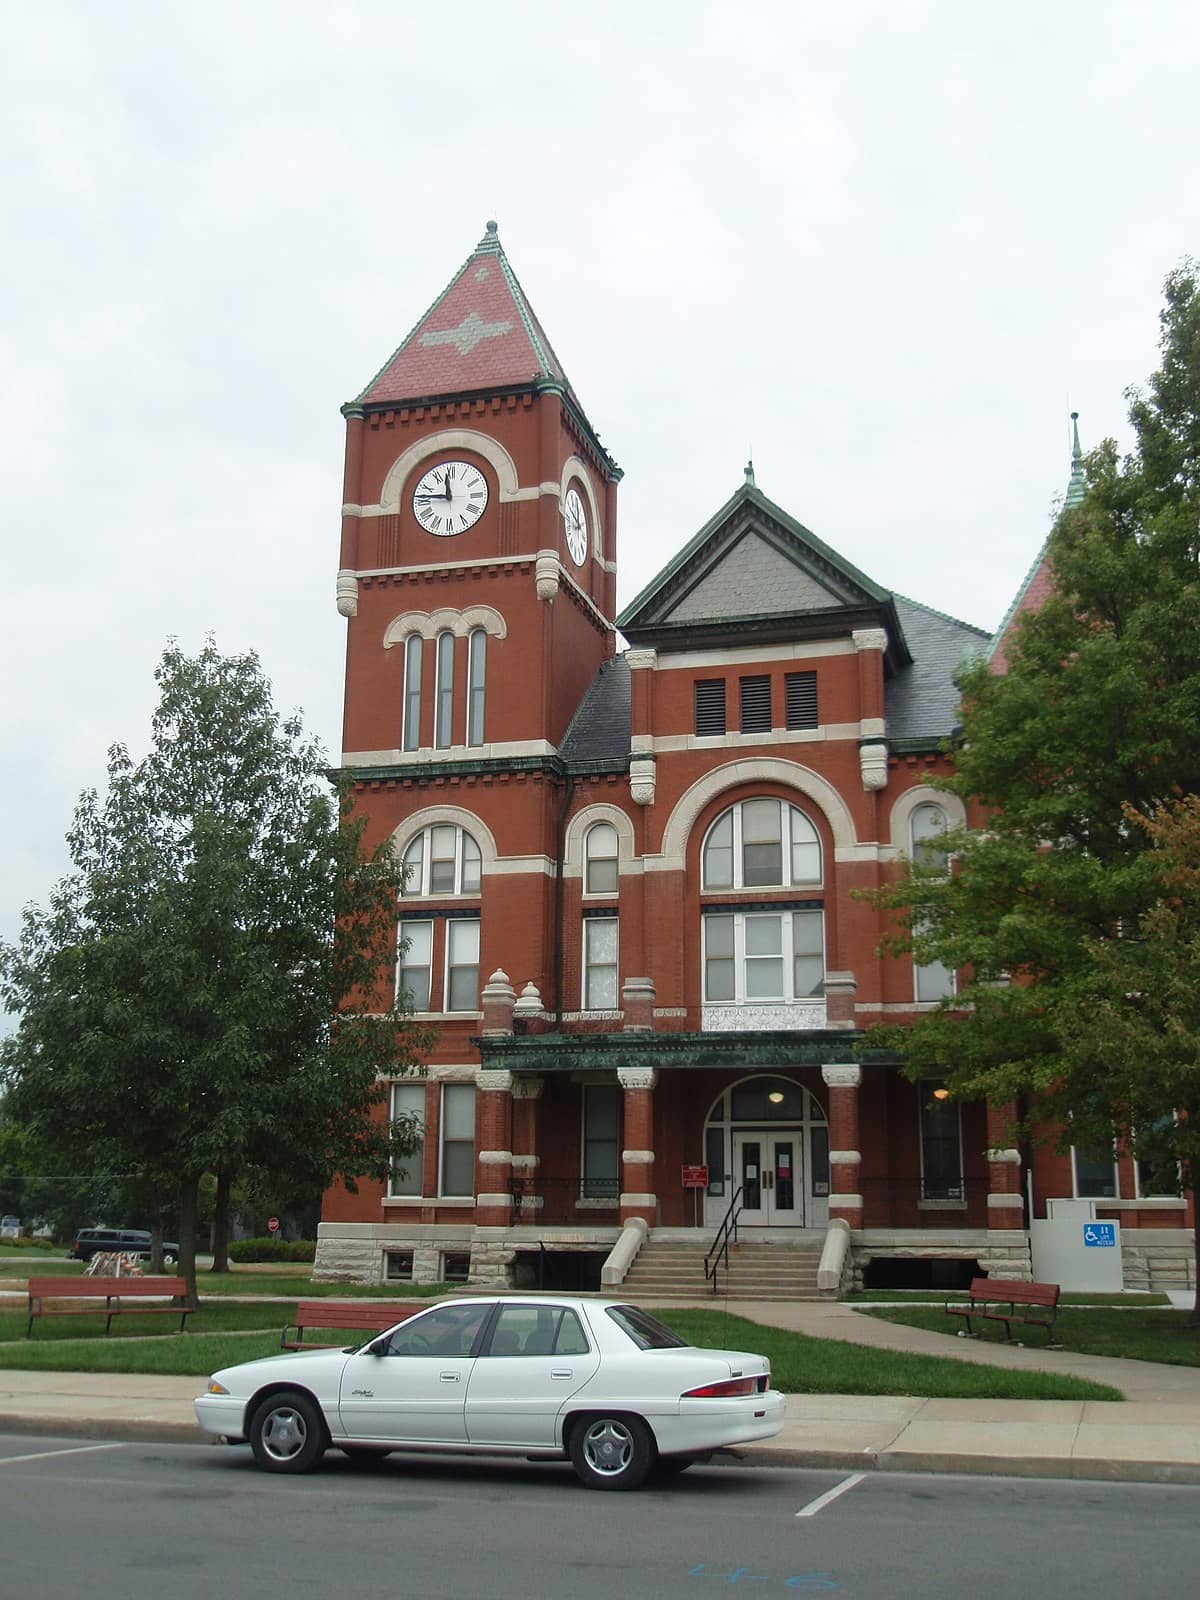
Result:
<point x="1009" y="1300"/>
<point x="339" y="1314"/>
<point x="84" y="1293"/>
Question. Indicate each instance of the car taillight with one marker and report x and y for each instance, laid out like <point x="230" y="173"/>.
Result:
<point x="722" y="1391"/>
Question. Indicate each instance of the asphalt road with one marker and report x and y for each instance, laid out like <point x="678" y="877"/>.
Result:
<point x="201" y="1522"/>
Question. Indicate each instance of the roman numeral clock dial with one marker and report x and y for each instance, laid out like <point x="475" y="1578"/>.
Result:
<point x="450" y="498"/>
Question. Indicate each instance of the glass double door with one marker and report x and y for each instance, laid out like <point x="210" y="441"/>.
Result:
<point x="768" y="1166"/>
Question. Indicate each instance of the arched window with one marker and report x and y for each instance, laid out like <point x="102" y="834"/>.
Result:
<point x="442" y="860"/>
<point x="410" y="738"/>
<point x="476" y="679"/>
<point x="764" y="844"/>
<point x="601" y="872"/>
<point x="443" y="721"/>
<point x="927" y="828"/>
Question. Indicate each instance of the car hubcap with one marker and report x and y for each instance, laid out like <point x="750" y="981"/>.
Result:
<point x="284" y="1434"/>
<point x="608" y="1447"/>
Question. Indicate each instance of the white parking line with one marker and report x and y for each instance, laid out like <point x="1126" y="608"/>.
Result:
<point x="44" y="1455"/>
<point x="822" y="1500"/>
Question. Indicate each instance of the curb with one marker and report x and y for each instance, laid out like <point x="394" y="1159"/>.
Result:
<point x="1063" y="1467"/>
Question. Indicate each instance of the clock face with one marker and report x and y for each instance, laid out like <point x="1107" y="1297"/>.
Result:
<point x="450" y="498"/>
<point x="576" y="525"/>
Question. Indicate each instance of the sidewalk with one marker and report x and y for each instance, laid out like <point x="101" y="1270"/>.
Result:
<point x="1151" y="1437"/>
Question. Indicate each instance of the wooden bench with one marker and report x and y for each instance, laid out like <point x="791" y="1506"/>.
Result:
<point x="85" y="1293"/>
<point x="1009" y="1300"/>
<point x="340" y="1314"/>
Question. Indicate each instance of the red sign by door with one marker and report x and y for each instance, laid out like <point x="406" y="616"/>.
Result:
<point x="695" y="1177"/>
<point x="272" y="1224"/>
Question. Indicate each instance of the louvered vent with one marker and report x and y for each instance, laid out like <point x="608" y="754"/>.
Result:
<point x="801" y="691"/>
<point x="710" y="706"/>
<point x="756" y="704"/>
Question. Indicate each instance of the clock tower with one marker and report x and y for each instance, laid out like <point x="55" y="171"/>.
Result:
<point x="478" y="551"/>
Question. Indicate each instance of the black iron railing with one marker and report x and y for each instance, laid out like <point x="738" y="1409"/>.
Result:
<point x="718" y="1254"/>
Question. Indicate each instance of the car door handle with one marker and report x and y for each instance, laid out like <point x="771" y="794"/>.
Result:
<point x="560" y="1372"/>
<point x="449" y="1377"/>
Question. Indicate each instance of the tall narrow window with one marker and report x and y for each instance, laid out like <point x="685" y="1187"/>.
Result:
<point x="411" y="736"/>
<point x="933" y="980"/>
<point x="476" y="681"/>
<point x="710" y="706"/>
<point x="443" y="727"/>
<point x="800" y="700"/>
<point x="415" y="963"/>
<point x="755" y="958"/>
<point x="941" y="1144"/>
<point x="600" y="963"/>
<point x="458" y="1139"/>
<point x="601" y="1145"/>
<point x="600" y="875"/>
<point x="462" y="964"/>
<point x="928" y="827"/>
<point x="755" y="704"/>
<point x="408" y="1101"/>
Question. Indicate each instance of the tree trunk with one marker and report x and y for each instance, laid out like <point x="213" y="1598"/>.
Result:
<point x="189" y="1192"/>
<point x="220" y="1227"/>
<point x="154" y="1209"/>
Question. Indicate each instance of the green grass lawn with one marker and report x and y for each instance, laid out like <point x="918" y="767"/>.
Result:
<point x="295" y="1286"/>
<point x="220" y="1336"/>
<point x="800" y="1365"/>
<point x="1134" y="1334"/>
<point x="915" y="1297"/>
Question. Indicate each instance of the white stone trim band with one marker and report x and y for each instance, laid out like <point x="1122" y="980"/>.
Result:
<point x="844" y="1158"/>
<point x="636" y="1157"/>
<point x="1005" y="1202"/>
<point x="495" y="1158"/>
<point x="1011" y="1158"/>
<point x="646" y="1200"/>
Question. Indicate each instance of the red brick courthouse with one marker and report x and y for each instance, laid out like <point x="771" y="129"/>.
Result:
<point x="629" y="905"/>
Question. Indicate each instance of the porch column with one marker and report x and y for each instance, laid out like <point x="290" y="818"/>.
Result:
<point x="637" y="1157"/>
<point x="845" y="1162"/>
<point x="493" y="1148"/>
<point x="527" y="1097"/>
<point x="1005" y="1206"/>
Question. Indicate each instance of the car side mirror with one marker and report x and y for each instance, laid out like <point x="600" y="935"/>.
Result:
<point x="378" y="1347"/>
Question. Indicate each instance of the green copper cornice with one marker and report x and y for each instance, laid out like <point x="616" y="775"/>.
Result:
<point x="596" y="1052"/>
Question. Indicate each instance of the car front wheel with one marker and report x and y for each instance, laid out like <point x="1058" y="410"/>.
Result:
<point x="287" y="1433"/>
<point x="612" y="1452"/>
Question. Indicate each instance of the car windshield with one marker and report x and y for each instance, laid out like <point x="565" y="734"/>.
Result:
<point x="647" y="1332"/>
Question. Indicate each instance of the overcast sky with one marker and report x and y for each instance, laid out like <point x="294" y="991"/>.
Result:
<point x="886" y="247"/>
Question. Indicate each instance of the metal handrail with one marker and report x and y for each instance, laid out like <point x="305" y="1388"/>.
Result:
<point x="719" y="1251"/>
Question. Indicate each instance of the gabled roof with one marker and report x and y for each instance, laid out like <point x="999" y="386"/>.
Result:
<point x="1039" y="580"/>
<point x="754" y="570"/>
<point x="599" y="730"/>
<point x="479" y="334"/>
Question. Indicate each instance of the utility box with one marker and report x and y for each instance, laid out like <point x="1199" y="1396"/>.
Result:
<point x="1071" y="1248"/>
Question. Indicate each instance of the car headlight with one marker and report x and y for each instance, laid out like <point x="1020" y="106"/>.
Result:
<point x="216" y="1388"/>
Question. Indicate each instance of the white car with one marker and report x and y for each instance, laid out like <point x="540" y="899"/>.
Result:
<point x="542" y="1376"/>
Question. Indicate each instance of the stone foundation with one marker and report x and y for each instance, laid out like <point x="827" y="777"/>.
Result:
<point x="1158" y="1258"/>
<point x="1001" y="1253"/>
<point x="355" y="1252"/>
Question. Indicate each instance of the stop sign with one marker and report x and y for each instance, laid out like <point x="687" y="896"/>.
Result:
<point x="272" y="1224"/>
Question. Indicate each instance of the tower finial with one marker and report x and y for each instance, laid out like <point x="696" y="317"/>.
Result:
<point x="1076" y="486"/>
<point x="748" y="469"/>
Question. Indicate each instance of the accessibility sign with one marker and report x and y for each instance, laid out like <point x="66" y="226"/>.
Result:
<point x="1100" y="1235"/>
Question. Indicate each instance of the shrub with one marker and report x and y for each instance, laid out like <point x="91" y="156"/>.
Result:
<point x="273" y="1250"/>
<point x="28" y="1244"/>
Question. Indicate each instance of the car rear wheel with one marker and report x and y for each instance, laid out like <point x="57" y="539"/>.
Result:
<point x="168" y="1259"/>
<point x="612" y="1452"/>
<point x="287" y="1433"/>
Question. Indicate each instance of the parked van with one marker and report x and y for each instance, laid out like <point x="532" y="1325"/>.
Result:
<point x="130" y="1241"/>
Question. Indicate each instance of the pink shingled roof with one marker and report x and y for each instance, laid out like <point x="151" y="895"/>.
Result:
<point x="480" y="334"/>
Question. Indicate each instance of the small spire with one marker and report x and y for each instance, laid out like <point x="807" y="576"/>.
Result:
<point x="1076" y="487"/>
<point x="749" y="471"/>
<point x="491" y="239"/>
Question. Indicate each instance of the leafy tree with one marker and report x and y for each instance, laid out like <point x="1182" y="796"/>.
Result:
<point x="204" y="993"/>
<point x="1082" y="763"/>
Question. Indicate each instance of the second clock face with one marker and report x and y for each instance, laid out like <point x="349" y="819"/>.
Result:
<point x="575" y="519"/>
<point x="450" y="498"/>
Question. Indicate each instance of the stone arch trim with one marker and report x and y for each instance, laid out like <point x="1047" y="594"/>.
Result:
<point x="430" y="623"/>
<point x="481" y="444"/>
<point x="577" y="830"/>
<point x="458" y="817"/>
<point x="921" y="795"/>
<point x="740" y="774"/>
